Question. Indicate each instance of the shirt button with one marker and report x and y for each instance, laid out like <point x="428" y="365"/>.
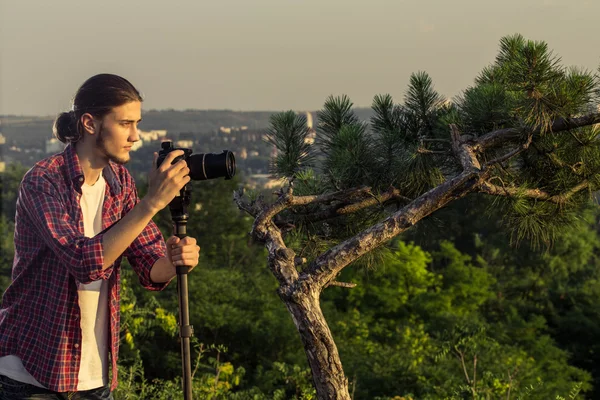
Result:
<point x="76" y="345"/>
<point x="80" y="179"/>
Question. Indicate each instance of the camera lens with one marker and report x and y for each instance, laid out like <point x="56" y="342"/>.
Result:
<point x="210" y="165"/>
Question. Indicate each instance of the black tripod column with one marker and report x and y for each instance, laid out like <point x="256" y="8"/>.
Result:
<point x="185" y="329"/>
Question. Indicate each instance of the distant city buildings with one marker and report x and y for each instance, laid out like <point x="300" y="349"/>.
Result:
<point x="312" y="134"/>
<point x="264" y="181"/>
<point x="248" y="146"/>
<point x="153" y="135"/>
<point x="188" y="144"/>
<point x="2" y="162"/>
<point x="54" y="146"/>
<point x="229" y="129"/>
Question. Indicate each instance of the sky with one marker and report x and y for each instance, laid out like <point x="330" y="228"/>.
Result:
<point x="270" y="55"/>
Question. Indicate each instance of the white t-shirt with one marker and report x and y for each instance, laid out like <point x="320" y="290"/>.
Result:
<point x="93" y="303"/>
<point x="93" y="299"/>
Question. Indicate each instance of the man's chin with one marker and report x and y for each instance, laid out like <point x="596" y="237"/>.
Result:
<point x="119" y="160"/>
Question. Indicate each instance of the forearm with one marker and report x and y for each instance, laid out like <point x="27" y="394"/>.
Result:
<point x="116" y="240"/>
<point x="162" y="271"/>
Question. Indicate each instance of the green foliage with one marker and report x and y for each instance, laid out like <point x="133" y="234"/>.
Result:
<point x="10" y="180"/>
<point x="9" y="187"/>
<point x="423" y="102"/>
<point x="288" y="133"/>
<point x="336" y="113"/>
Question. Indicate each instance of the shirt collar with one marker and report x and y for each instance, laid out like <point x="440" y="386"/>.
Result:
<point x="75" y="173"/>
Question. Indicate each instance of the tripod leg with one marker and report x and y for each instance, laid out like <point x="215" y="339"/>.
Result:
<point x="185" y="331"/>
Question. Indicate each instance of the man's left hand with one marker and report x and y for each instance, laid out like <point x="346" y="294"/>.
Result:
<point x="183" y="252"/>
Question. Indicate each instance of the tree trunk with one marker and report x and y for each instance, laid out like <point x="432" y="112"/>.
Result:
<point x="321" y="351"/>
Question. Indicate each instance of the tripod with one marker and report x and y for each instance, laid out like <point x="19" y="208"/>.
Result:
<point x="179" y="215"/>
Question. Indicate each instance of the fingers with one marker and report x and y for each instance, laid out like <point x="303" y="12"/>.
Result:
<point x="173" y="240"/>
<point x="190" y="249"/>
<point x="185" y="245"/>
<point x="188" y="240"/>
<point x="170" y="157"/>
<point x="187" y="252"/>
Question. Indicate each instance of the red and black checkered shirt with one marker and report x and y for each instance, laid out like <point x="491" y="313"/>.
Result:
<point x="40" y="316"/>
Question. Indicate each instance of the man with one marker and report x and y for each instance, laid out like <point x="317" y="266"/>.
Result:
<point x="78" y="213"/>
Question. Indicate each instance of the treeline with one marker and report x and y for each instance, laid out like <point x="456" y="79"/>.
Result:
<point x="452" y="310"/>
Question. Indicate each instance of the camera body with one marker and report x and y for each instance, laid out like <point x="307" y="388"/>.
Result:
<point x="202" y="166"/>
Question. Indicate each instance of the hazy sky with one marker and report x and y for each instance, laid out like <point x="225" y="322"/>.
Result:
<point x="270" y="54"/>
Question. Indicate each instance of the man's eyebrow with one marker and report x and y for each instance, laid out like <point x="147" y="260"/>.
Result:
<point x="129" y="120"/>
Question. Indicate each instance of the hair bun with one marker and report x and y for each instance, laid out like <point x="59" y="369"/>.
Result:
<point x="65" y="127"/>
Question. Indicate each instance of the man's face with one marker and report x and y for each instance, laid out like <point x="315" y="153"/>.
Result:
<point x="118" y="132"/>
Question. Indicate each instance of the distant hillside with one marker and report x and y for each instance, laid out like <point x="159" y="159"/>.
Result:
<point x="31" y="132"/>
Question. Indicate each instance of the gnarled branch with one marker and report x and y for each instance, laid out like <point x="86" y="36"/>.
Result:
<point x="493" y="138"/>
<point x="328" y="265"/>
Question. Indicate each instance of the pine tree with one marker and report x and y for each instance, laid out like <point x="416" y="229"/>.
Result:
<point x="524" y="132"/>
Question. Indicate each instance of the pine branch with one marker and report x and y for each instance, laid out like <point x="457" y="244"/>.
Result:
<point x="499" y="136"/>
<point x="510" y="154"/>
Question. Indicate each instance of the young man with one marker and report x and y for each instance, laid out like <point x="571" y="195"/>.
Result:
<point x="78" y="213"/>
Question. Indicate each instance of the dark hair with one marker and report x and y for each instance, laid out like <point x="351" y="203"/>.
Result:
<point x="97" y="96"/>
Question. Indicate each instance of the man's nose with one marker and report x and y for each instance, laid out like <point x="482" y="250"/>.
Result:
<point x="135" y="134"/>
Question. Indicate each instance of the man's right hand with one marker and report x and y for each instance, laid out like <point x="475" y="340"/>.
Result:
<point x="166" y="181"/>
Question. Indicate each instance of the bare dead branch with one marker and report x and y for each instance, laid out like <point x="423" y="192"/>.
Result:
<point x="341" y="284"/>
<point x="460" y="355"/>
<point x="511" y="191"/>
<point x="342" y="195"/>
<point x="345" y="209"/>
<point x="244" y="205"/>
<point x="423" y="150"/>
<point x="474" y="373"/>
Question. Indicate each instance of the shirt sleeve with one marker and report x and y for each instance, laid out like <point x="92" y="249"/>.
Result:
<point x="83" y="257"/>
<point x="147" y="248"/>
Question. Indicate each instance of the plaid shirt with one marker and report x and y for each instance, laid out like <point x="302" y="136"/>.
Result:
<point x="40" y="316"/>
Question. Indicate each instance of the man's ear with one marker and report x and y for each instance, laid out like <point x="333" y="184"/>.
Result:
<point x="89" y="123"/>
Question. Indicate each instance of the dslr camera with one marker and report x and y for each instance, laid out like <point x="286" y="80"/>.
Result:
<point x="202" y="166"/>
